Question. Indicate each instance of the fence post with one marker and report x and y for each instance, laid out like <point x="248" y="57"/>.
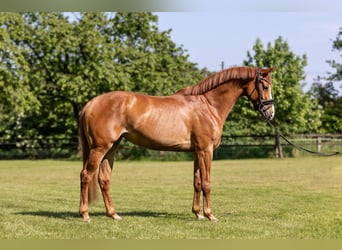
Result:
<point x="279" y="149"/>
<point x="319" y="143"/>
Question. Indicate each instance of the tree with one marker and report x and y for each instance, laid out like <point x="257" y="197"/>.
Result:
<point x="327" y="95"/>
<point x="16" y="94"/>
<point x="337" y="45"/>
<point x="295" y="112"/>
<point x="331" y="104"/>
<point x="153" y="63"/>
<point x="50" y="67"/>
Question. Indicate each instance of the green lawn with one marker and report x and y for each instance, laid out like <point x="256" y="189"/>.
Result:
<point x="253" y="199"/>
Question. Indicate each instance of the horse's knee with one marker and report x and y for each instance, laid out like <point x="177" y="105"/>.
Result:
<point x="85" y="177"/>
<point x="197" y="186"/>
<point x="197" y="181"/>
<point x="206" y="187"/>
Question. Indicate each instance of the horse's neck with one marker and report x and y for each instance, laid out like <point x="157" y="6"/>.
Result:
<point x="223" y="98"/>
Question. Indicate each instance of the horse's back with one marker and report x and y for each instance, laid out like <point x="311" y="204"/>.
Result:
<point x="157" y="122"/>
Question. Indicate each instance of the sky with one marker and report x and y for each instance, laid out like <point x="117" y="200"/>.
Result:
<point x="225" y="32"/>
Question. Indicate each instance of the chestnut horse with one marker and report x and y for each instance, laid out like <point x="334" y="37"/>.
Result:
<point x="189" y="120"/>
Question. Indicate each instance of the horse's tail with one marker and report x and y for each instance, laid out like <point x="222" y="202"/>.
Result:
<point x="84" y="137"/>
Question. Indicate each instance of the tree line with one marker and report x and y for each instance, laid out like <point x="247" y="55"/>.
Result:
<point x="51" y="65"/>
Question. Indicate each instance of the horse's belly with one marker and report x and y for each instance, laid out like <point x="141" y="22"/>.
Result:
<point x="160" y="141"/>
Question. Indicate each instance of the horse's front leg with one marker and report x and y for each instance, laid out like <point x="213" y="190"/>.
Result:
<point x="204" y="159"/>
<point x="196" y="207"/>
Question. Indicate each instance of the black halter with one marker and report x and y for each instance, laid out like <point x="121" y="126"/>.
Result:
<point x="261" y="104"/>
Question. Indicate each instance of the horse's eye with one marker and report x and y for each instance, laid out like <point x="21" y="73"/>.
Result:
<point x="265" y="87"/>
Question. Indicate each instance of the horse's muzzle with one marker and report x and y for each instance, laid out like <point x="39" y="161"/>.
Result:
<point x="266" y="109"/>
<point x="268" y="114"/>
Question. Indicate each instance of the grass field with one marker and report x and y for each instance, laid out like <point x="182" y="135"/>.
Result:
<point x="253" y="199"/>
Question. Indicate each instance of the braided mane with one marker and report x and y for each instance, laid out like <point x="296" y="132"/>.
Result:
<point x="211" y="82"/>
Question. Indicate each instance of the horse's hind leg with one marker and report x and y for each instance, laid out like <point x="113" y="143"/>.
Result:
<point x="88" y="183"/>
<point x="105" y="172"/>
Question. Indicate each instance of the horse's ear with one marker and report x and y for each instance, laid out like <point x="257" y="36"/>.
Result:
<point x="266" y="71"/>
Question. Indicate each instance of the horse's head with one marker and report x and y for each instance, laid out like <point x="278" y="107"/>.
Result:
<point x="259" y="92"/>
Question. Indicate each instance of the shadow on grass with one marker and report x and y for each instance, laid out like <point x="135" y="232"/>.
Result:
<point x="67" y="215"/>
<point x="50" y="214"/>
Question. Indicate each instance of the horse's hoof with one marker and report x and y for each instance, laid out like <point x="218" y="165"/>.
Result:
<point x="212" y="218"/>
<point x="199" y="217"/>
<point x="116" y="217"/>
<point x="87" y="220"/>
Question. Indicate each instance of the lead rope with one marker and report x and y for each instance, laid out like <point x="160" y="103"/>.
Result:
<point x="300" y="147"/>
